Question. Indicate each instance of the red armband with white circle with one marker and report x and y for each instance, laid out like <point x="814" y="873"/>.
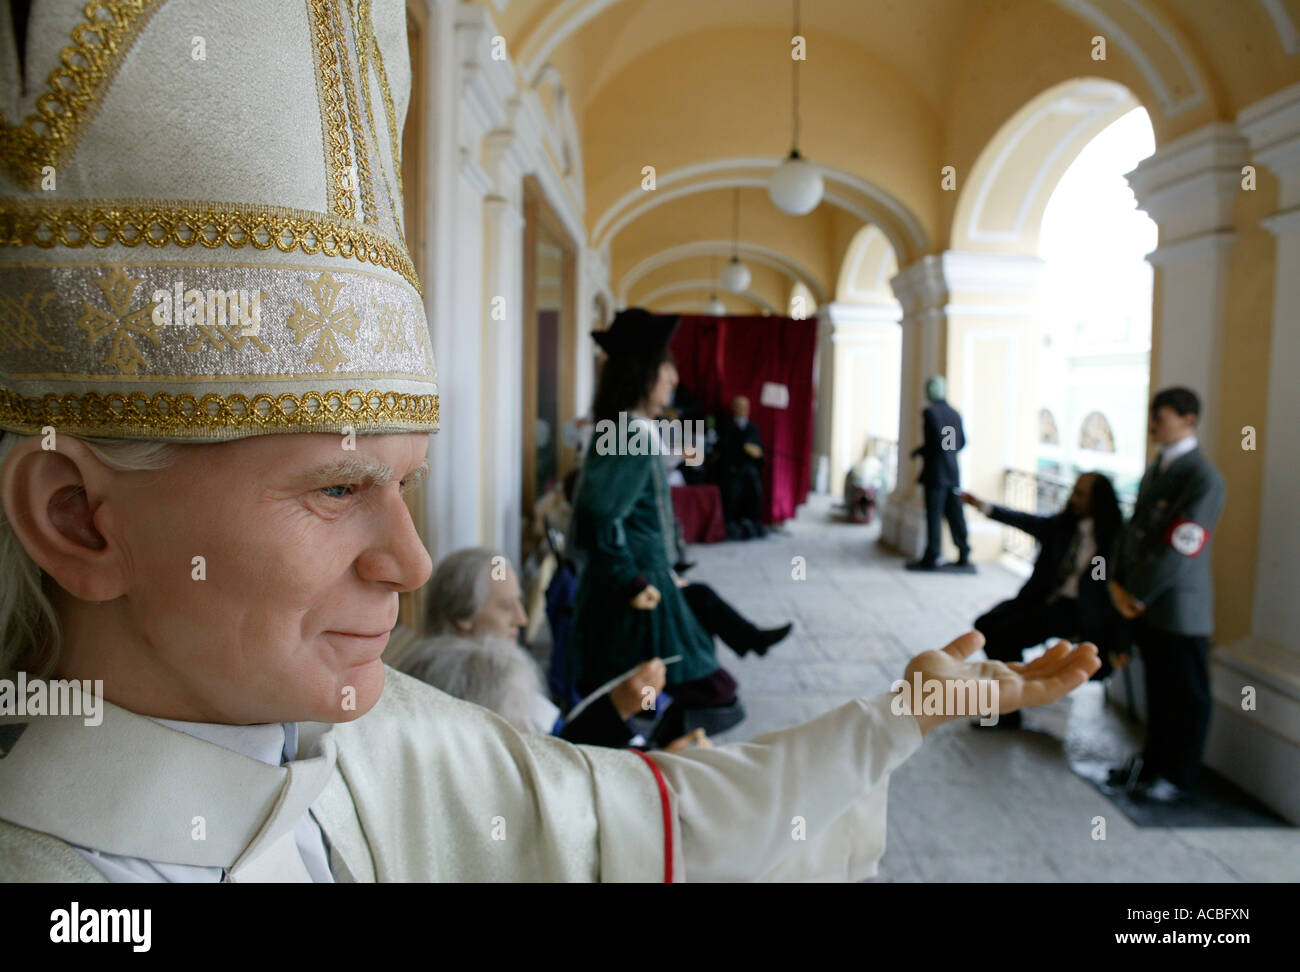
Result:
<point x="1187" y="537"/>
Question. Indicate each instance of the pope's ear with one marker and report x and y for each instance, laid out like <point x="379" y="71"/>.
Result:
<point x="50" y="505"/>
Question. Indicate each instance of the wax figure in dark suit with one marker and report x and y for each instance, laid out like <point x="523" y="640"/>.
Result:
<point x="944" y="438"/>
<point x="1162" y="578"/>
<point x="740" y="473"/>
<point x="1067" y="595"/>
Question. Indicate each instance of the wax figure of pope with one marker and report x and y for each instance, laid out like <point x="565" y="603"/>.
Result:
<point x="215" y="383"/>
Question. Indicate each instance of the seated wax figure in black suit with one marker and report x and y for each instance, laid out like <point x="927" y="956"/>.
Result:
<point x="740" y="473"/>
<point x="944" y="438"/>
<point x="1067" y="594"/>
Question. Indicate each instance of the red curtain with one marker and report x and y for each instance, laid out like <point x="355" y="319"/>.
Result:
<point x="719" y="358"/>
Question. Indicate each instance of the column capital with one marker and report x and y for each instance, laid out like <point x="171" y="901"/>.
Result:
<point x="487" y="84"/>
<point x="920" y="286"/>
<point x="504" y="158"/>
<point x="1000" y="273"/>
<point x="473" y="174"/>
<point x="1272" y="128"/>
<point x="841" y="314"/>
<point x="1189" y="186"/>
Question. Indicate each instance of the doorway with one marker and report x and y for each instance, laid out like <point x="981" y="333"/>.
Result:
<point x="550" y="329"/>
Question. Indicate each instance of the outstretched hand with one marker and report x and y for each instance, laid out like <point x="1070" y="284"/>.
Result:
<point x="1019" y="685"/>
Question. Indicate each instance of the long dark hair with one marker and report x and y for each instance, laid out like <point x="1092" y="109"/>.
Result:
<point x="625" y="381"/>
<point x="1106" y="515"/>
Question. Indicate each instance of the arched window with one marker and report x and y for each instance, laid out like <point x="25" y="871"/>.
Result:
<point x="1095" y="434"/>
<point x="1048" y="434"/>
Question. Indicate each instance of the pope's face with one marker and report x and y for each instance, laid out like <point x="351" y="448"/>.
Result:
<point x="305" y="547"/>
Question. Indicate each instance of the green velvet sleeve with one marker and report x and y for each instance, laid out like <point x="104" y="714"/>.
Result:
<point x="611" y="486"/>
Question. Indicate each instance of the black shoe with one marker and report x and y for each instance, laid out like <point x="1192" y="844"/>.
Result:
<point x="682" y="566"/>
<point x="1132" y="776"/>
<point x="766" y="639"/>
<point x="922" y="565"/>
<point x="1010" y="720"/>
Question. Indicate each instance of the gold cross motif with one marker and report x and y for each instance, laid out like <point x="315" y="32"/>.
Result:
<point x="330" y="320"/>
<point x="120" y="321"/>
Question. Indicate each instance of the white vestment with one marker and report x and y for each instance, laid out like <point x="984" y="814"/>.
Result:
<point x="425" y="787"/>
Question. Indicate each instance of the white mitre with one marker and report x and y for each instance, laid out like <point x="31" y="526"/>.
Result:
<point x="167" y="169"/>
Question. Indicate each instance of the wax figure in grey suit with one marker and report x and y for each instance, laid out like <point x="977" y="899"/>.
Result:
<point x="1161" y="577"/>
<point x="944" y="438"/>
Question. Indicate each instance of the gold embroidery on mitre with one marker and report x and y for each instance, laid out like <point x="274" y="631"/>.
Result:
<point x="223" y="336"/>
<point x="163" y="414"/>
<point x="365" y="181"/>
<point x="369" y="42"/>
<point x="21" y="323"/>
<point x="87" y="67"/>
<point x="329" y="320"/>
<point x="121" y="320"/>
<point x="334" y="120"/>
<point x="101" y="223"/>
<point x="391" y="321"/>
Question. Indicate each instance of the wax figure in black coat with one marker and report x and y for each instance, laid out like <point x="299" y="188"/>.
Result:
<point x="1067" y="594"/>
<point x="740" y="473"/>
<point x="944" y="438"/>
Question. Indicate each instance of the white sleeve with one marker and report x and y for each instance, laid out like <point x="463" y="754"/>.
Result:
<point x="802" y="804"/>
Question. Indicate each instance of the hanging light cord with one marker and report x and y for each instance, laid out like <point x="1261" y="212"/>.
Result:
<point x="795" y="85"/>
<point x="735" y="228"/>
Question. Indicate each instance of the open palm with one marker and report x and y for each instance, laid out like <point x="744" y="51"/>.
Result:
<point x="1020" y="685"/>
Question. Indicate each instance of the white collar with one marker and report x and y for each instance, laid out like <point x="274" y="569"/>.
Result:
<point x="140" y="769"/>
<point x="267" y="743"/>
<point x="1173" y="451"/>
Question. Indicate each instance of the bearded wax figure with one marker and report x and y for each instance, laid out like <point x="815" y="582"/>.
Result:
<point x="190" y="519"/>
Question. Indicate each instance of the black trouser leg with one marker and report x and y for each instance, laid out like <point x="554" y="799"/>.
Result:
<point x="934" y="504"/>
<point x="717" y="617"/>
<point x="1013" y="626"/>
<point x="1178" y="703"/>
<point x="752" y="496"/>
<point x="957" y="522"/>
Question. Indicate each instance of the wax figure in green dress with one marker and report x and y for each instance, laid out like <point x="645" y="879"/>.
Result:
<point x="629" y="605"/>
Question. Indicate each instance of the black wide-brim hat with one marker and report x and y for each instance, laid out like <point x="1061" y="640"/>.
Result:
<point x="637" y="332"/>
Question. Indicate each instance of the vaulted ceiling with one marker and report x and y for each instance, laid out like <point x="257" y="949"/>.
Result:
<point x="892" y="91"/>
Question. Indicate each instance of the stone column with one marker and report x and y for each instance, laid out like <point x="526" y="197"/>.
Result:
<point x="860" y="380"/>
<point x="921" y="291"/>
<point x="993" y="337"/>
<point x="502" y="343"/>
<point x="1188" y="187"/>
<point x="1259" y="748"/>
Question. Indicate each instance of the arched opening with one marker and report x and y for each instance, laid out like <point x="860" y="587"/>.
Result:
<point x="859" y="367"/>
<point x="1049" y="300"/>
<point x="1094" y="360"/>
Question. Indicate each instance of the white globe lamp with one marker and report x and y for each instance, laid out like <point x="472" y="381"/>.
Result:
<point x="735" y="276"/>
<point x="796" y="186"/>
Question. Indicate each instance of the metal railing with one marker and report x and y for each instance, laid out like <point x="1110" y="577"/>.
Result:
<point x="1043" y="494"/>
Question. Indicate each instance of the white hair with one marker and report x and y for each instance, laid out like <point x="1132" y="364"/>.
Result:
<point x="29" y="627"/>
<point x="460" y="587"/>
<point x="491" y="671"/>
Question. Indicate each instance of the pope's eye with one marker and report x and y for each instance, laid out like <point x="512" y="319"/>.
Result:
<point x="337" y="492"/>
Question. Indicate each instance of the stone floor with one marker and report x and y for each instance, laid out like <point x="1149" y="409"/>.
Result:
<point x="969" y="806"/>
